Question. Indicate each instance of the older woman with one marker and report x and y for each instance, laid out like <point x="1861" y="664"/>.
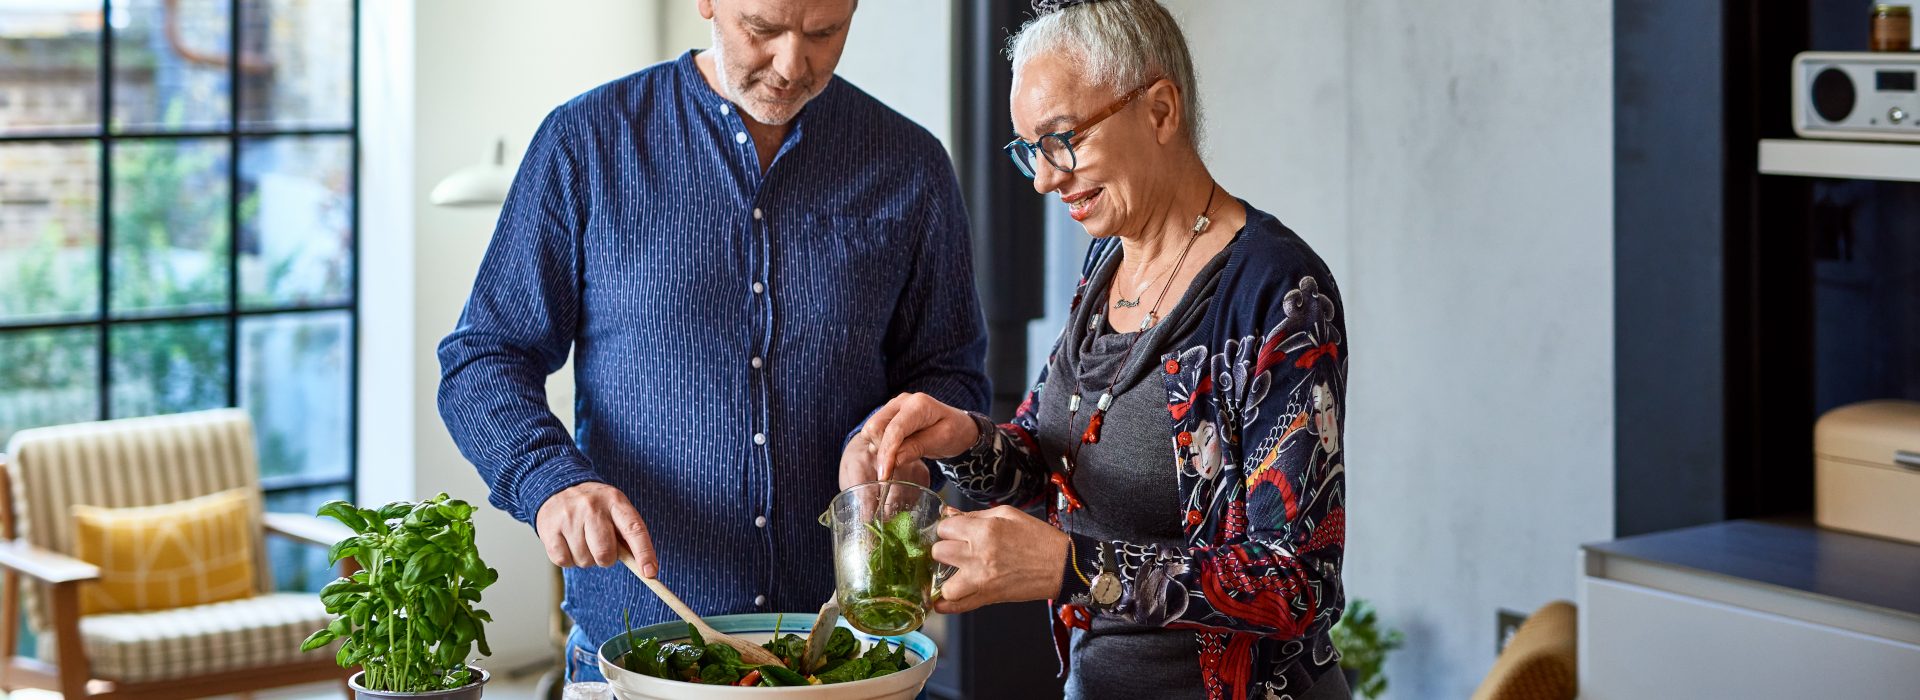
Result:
<point x="1183" y="441"/>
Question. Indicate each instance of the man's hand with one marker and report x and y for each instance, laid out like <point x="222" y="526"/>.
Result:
<point x="589" y="524"/>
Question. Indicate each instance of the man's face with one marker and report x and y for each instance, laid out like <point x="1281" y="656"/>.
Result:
<point x="775" y="55"/>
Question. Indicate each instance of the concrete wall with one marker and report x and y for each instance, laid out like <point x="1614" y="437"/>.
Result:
<point x="1481" y="221"/>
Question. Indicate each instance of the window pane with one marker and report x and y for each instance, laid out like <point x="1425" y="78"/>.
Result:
<point x="169" y="225"/>
<point x="300" y="567"/>
<point x="49" y="231"/>
<point x="296" y="235"/>
<point x="49" y="66"/>
<point x="170" y="64"/>
<point x="306" y="47"/>
<point x="168" y="367"/>
<point x="48" y="378"/>
<point x="293" y="376"/>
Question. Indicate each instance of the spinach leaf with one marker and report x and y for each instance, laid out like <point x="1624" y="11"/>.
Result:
<point x="719" y="674"/>
<point x="854" y="670"/>
<point x="842" y="645"/>
<point x="771" y="675"/>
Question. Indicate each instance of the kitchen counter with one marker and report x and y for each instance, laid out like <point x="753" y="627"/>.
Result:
<point x="1750" y="609"/>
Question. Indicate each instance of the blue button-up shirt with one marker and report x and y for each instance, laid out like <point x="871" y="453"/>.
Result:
<point x="729" y="328"/>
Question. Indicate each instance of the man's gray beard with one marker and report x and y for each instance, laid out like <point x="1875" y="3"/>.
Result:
<point x="734" y="92"/>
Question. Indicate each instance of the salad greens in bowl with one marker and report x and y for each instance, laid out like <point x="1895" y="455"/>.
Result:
<point x="674" y="663"/>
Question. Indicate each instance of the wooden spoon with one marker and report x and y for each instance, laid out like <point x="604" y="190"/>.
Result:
<point x="749" y="652"/>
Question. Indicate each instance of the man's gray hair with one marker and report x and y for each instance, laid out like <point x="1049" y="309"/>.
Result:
<point x="1118" y="45"/>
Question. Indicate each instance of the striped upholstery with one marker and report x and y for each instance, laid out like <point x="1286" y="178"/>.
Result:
<point x="236" y="634"/>
<point x="123" y="463"/>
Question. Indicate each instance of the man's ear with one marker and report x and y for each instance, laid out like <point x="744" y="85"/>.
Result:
<point x="705" y="7"/>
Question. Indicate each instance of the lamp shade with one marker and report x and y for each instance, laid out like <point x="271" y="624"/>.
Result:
<point x="478" y="185"/>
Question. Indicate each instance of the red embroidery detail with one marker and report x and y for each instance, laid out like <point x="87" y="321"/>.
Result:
<point x="1180" y="410"/>
<point x="1330" y="532"/>
<point x="1185" y="439"/>
<point x="1026" y="439"/>
<point x="1310" y="357"/>
<point x="1234" y="525"/>
<point x="1225" y="667"/>
<point x="1194" y="517"/>
<point x="1173" y="366"/>
<point x="1261" y="599"/>
<point x="1269" y="356"/>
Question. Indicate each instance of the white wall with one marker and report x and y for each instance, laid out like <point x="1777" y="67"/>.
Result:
<point x="901" y="51"/>
<point x="451" y="77"/>
<point x="1481" y="207"/>
<point x="1453" y="163"/>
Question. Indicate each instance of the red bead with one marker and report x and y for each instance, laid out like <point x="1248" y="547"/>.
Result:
<point x="1093" y="429"/>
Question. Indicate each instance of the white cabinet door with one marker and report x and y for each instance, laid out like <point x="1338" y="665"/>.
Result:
<point x="1638" y="643"/>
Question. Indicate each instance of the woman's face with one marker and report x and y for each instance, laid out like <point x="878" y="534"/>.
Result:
<point x="1108" y="188"/>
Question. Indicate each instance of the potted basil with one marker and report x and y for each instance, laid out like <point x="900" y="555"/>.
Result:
<point x="1364" y="645"/>
<point x="406" y="618"/>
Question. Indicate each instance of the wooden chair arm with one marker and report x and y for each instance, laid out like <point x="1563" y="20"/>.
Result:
<point x="43" y="565"/>
<point x="305" y="529"/>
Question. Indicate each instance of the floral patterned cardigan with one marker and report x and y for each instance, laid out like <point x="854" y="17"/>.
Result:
<point x="1255" y="413"/>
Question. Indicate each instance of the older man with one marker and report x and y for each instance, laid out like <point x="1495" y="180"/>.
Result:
<point x="745" y="255"/>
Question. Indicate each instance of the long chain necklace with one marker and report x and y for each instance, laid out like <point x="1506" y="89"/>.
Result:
<point x="1069" y="499"/>
<point x="1199" y="223"/>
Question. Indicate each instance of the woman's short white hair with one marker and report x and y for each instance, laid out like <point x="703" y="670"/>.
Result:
<point x="1118" y="45"/>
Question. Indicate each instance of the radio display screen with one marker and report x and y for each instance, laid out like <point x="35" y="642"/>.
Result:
<point x="1893" y="81"/>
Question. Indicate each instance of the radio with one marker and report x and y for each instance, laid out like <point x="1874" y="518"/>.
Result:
<point x="1856" y="96"/>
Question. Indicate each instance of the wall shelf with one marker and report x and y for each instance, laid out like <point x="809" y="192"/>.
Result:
<point x="1841" y="159"/>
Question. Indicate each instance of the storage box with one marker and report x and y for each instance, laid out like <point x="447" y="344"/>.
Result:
<point x="1867" y="469"/>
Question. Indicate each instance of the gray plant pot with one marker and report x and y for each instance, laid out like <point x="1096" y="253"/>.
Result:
<point x="470" y="691"/>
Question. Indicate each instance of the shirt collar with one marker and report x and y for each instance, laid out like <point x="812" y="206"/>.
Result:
<point x="711" y="101"/>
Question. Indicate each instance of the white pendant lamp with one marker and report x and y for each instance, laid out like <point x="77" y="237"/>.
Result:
<point x="476" y="186"/>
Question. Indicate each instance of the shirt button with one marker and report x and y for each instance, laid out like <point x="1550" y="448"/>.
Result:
<point x="757" y="288"/>
<point x="760" y="521"/>
<point x="726" y="109"/>
<point x="759" y="438"/>
<point x="756" y="363"/>
<point x="740" y="137"/>
<point x="756" y="213"/>
<point x="759" y="601"/>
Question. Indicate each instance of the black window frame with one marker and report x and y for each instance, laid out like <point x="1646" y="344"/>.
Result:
<point x="104" y="136"/>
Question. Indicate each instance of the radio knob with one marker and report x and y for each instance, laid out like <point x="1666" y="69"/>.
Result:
<point x="1896" y="115"/>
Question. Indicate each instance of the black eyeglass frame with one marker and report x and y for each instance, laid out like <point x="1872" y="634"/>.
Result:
<point x="1023" y="152"/>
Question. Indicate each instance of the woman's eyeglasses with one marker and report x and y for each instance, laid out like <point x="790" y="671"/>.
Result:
<point x="1057" y="147"/>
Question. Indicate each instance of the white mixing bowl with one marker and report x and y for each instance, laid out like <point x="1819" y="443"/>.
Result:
<point x="759" y="627"/>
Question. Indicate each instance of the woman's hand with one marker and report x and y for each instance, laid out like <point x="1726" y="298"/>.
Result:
<point x="859" y="459"/>
<point x="913" y="427"/>
<point x="1002" y="555"/>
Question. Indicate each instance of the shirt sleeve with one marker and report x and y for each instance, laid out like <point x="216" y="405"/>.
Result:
<point x="518" y="327"/>
<point x="936" y="340"/>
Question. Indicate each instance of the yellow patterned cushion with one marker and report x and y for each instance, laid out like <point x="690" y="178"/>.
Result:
<point x="192" y="552"/>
